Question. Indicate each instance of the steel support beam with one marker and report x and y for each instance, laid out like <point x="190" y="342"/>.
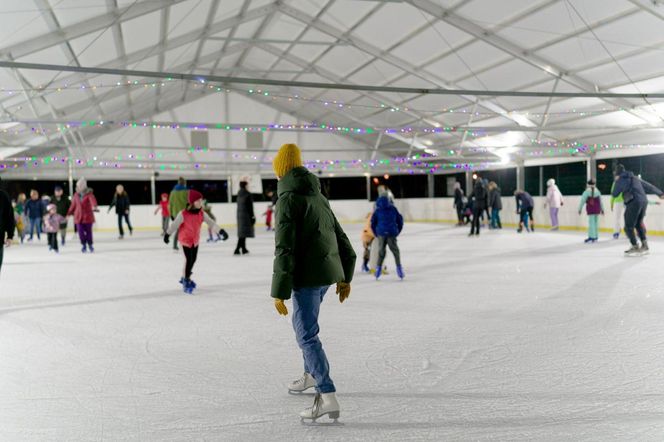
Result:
<point x="85" y="27"/>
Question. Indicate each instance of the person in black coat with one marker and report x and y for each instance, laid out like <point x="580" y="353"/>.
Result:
<point x="634" y="191"/>
<point x="245" y="218"/>
<point x="62" y="205"/>
<point x="459" y="204"/>
<point x="481" y="203"/>
<point x="121" y="204"/>
<point x="7" y="222"/>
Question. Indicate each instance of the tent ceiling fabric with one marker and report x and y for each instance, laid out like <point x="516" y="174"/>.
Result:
<point x="543" y="46"/>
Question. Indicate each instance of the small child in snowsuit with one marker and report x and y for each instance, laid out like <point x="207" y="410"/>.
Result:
<point x="367" y="237"/>
<point x="386" y="224"/>
<point x="52" y="221"/>
<point x="165" y="213"/>
<point x="208" y="211"/>
<point x="592" y="199"/>
<point x="268" y="213"/>
<point x="188" y="225"/>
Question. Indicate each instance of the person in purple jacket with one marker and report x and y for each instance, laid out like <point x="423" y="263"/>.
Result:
<point x="386" y="224"/>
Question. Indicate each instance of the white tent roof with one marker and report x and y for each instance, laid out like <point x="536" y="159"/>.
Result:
<point x="573" y="46"/>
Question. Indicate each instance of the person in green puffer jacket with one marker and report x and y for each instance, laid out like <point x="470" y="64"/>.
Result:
<point x="312" y="252"/>
<point x="177" y="202"/>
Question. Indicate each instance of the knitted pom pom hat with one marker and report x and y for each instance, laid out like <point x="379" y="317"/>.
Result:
<point x="194" y="195"/>
<point x="288" y="158"/>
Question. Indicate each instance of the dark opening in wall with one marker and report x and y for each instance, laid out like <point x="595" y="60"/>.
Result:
<point x="441" y="187"/>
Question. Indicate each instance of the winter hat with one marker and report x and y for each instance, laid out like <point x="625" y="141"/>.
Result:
<point x="550" y="182"/>
<point x="194" y="195"/>
<point x="287" y="159"/>
<point x="50" y="207"/>
<point x="58" y="187"/>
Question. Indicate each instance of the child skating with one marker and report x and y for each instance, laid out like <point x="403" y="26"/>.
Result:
<point x="188" y="225"/>
<point x="386" y="224"/>
<point x="212" y="235"/>
<point x="269" y="212"/>
<point x="367" y="238"/>
<point x="165" y="213"/>
<point x="592" y="199"/>
<point x="52" y="222"/>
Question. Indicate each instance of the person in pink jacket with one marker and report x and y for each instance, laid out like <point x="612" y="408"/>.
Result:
<point x="52" y="222"/>
<point x="554" y="199"/>
<point x="83" y="206"/>
<point x="187" y="224"/>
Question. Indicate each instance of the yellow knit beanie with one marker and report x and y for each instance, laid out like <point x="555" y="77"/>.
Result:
<point x="287" y="159"/>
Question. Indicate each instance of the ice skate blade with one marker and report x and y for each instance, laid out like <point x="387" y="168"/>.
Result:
<point x="301" y="392"/>
<point x="314" y="422"/>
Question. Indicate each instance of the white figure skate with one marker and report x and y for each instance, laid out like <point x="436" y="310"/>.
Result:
<point x="324" y="404"/>
<point x="301" y="385"/>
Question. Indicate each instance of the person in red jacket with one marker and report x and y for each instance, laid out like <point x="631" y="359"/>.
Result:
<point x="165" y="213"/>
<point x="83" y="206"/>
<point x="188" y="225"/>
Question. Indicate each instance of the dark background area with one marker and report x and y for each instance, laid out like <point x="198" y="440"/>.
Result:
<point x="570" y="177"/>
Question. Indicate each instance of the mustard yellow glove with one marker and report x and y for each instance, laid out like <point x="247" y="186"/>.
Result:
<point x="281" y="307"/>
<point x="343" y="290"/>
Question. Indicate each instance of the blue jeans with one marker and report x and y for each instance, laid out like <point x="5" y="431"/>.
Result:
<point x="35" y="224"/>
<point x="306" y="306"/>
<point x="495" y="219"/>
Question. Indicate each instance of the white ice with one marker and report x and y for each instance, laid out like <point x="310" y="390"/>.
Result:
<point x="502" y="337"/>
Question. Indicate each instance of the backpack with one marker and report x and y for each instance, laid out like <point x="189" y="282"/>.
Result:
<point x="593" y="205"/>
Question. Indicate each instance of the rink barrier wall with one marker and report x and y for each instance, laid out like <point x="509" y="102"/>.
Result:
<point x="428" y="210"/>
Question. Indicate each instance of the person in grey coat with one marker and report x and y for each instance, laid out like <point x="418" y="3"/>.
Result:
<point x="245" y="218"/>
<point x="496" y="205"/>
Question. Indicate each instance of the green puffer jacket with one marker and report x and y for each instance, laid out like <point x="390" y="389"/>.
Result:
<point x="177" y="200"/>
<point x="312" y="249"/>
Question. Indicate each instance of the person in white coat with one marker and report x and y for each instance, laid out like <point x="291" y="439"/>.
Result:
<point x="554" y="199"/>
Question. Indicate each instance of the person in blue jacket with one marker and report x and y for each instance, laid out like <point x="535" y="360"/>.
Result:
<point x="634" y="191"/>
<point x="34" y="211"/>
<point x="387" y="223"/>
<point x="524" y="207"/>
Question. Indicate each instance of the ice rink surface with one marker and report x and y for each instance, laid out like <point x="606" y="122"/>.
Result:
<point x="502" y="337"/>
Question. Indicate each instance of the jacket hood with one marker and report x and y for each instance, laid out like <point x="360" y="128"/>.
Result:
<point x="383" y="202"/>
<point x="179" y="187"/>
<point x="299" y="180"/>
<point x="627" y="174"/>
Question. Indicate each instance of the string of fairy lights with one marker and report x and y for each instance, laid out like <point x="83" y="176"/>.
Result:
<point x="418" y="163"/>
<point x="432" y="162"/>
<point x="202" y="86"/>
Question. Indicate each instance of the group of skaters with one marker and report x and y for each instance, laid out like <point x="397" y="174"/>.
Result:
<point x="312" y="252"/>
<point x="485" y="199"/>
<point x="45" y="214"/>
<point x="628" y="199"/>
